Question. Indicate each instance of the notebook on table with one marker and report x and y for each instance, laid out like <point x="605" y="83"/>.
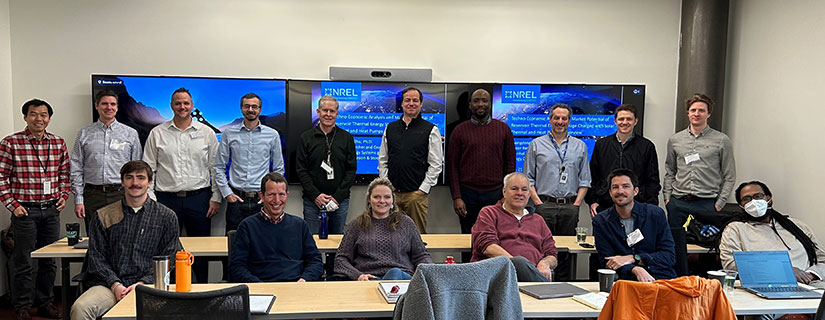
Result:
<point x="769" y="274"/>
<point x="552" y="290"/>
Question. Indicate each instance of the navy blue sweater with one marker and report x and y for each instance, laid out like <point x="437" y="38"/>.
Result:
<point x="655" y="250"/>
<point x="263" y="251"/>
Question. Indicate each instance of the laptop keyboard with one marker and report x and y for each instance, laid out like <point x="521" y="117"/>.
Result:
<point x="781" y="289"/>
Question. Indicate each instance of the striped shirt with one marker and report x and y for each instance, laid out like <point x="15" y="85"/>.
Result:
<point x="32" y="170"/>
<point x="99" y="152"/>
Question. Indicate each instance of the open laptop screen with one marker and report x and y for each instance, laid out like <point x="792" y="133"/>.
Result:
<point x="764" y="268"/>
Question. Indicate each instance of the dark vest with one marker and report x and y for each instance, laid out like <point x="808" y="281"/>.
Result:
<point x="407" y="149"/>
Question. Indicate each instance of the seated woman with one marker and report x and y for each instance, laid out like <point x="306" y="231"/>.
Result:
<point x="382" y="243"/>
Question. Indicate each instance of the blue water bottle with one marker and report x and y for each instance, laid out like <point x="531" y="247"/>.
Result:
<point x="322" y="227"/>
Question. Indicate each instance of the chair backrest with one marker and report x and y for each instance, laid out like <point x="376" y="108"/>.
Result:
<point x="820" y="312"/>
<point x="227" y="303"/>
<point x="230" y="239"/>
<point x="486" y="289"/>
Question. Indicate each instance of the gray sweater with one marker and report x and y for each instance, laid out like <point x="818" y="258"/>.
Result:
<point x="377" y="250"/>
<point x="486" y="289"/>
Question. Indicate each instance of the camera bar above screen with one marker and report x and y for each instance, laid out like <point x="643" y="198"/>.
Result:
<point x="526" y="110"/>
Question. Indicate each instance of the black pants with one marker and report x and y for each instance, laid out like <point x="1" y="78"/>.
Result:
<point x="96" y="198"/>
<point x="562" y="219"/>
<point x="677" y="212"/>
<point x="40" y="228"/>
<point x="191" y="212"/>
<point x="474" y="200"/>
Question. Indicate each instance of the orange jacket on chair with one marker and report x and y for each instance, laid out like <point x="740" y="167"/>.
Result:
<point x="681" y="298"/>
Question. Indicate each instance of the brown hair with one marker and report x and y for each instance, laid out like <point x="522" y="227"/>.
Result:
<point x="699" y="97"/>
<point x="364" y="220"/>
<point x="625" y="107"/>
<point x="136" y="166"/>
<point x="274" y="177"/>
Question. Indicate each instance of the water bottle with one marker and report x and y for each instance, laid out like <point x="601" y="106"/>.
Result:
<point x="161" y="272"/>
<point x="183" y="271"/>
<point x="322" y="227"/>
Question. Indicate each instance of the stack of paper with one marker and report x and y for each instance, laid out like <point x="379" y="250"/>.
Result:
<point x="593" y="300"/>
<point x="386" y="289"/>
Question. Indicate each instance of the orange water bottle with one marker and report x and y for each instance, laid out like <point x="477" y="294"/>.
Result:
<point x="183" y="271"/>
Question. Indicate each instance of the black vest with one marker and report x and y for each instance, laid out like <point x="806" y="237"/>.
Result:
<point x="407" y="150"/>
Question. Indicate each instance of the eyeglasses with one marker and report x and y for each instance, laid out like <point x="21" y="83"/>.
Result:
<point x="755" y="196"/>
<point x="250" y="106"/>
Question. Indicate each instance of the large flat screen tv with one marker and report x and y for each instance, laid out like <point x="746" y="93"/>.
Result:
<point x="526" y="109"/>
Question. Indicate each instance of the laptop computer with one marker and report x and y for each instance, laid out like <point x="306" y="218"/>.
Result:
<point x="83" y="244"/>
<point x="552" y="290"/>
<point x="769" y="274"/>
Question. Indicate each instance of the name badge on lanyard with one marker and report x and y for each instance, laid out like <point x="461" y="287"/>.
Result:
<point x="634" y="237"/>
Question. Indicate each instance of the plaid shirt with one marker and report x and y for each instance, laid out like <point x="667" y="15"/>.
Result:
<point x="272" y="220"/>
<point x="26" y="164"/>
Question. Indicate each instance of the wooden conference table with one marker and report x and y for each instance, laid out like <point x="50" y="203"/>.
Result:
<point x="216" y="247"/>
<point x="350" y="299"/>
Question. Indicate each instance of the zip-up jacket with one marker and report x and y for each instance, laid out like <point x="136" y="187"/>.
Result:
<point x="638" y="154"/>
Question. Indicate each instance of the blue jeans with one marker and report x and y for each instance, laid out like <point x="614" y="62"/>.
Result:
<point x="237" y="211"/>
<point x="677" y="213"/>
<point x="191" y="212"/>
<point x="396" y="274"/>
<point x="526" y="271"/>
<point x="337" y="218"/>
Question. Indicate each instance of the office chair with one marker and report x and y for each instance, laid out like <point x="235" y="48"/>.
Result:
<point x="227" y="303"/>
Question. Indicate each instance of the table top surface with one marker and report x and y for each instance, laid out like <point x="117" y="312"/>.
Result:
<point x="362" y="299"/>
<point x="217" y="246"/>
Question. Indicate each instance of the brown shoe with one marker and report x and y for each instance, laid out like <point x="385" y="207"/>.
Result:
<point x="49" y="311"/>
<point x="23" y="314"/>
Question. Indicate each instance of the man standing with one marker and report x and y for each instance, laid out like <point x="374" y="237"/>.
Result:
<point x="255" y="150"/>
<point x="556" y="165"/>
<point x="326" y="164"/>
<point x="700" y="172"/>
<point x="410" y="156"/>
<point x="474" y="183"/>
<point x="100" y="150"/>
<point x="633" y="237"/>
<point x="34" y="186"/>
<point x="509" y="229"/>
<point x="181" y="152"/>
<point x="624" y="149"/>
<point x="274" y="246"/>
<point x="125" y="235"/>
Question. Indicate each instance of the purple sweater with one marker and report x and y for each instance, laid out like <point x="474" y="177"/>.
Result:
<point x="377" y="250"/>
<point x="529" y="238"/>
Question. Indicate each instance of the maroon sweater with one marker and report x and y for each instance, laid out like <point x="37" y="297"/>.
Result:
<point x="479" y="156"/>
<point x="529" y="238"/>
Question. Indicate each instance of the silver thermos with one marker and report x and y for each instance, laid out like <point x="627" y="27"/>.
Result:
<point x="161" y="272"/>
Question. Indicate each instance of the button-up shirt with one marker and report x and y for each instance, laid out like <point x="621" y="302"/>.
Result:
<point x="253" y="153"/>
<point x="711" y="176"/>
<point x="27" y="165"/>
<point x="99" y="152"/>
<point x="544" y="161"/>
<point x="182" y="159"/>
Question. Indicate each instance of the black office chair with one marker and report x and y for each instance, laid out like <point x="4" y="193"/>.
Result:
<point x="227" y="303"/>
<point x="820" y="312"/>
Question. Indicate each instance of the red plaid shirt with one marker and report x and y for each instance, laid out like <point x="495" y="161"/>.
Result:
<point x="26" y="164"/>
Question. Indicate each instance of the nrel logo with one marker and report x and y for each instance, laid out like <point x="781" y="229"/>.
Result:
<point x="520" y="93"/>
<point x="343" y="91"/>
<point x="106" y="82"/>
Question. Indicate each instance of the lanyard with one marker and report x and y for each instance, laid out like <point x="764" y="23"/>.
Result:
<point x="566" y="144"/>
<point x="329" y="143"/>
<point x="37" y="154"/>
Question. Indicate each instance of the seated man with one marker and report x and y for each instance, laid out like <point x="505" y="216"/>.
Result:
<point x="632" y="237"/>
<point x="765" y="229"/>
<point x="124" y="236"/>
<point x="274" y="246"/>
<point x="508" y="229"/>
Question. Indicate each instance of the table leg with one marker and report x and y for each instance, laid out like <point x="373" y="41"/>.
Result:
<point x="66" y="281"/>
<point x="574" y="259"/>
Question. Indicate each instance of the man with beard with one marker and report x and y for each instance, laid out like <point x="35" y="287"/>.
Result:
<point x="326" y="164"/>
<point x="411" y="157"/>
<point x="182" y="152"/>
<point x="272" y="245"/>
<point x="124" y="236"/>
<point x="100" y="150"/>
<point x="254" y="150"/>
<point x="633" y="237"/>
<point x="556" y="164"/>
<point x="480" y="153"/>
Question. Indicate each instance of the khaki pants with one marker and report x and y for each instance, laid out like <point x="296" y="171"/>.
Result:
<point x="93" y="303"/>
<point x="415" y="206"/>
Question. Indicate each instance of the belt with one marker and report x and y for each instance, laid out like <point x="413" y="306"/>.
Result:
<point x="557" y="200"/>
<point x="184" y="194"/>
<point x="692" y="197"/>
<point x="244" y="194"/>
<point x="104" y="187"/>
<point x="39" y="205"/>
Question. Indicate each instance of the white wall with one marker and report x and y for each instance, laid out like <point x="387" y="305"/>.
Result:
<point x="775" y="67"/>
<point x="5" y="104"/>
<point x="55" y="46"/>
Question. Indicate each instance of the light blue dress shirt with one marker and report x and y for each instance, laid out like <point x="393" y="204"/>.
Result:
<point x="542" y="165"/>
<point x="250" y="154"/>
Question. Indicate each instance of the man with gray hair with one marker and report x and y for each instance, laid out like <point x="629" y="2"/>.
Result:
<point x="326" y="164"/>
<point x="557" y="167"/>
<point x="508" y="229"/>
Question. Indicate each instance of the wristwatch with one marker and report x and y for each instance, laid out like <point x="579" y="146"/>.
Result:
<point x="637" y="258"/>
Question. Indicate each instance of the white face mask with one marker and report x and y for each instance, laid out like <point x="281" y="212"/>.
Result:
<point x="756" y="208"/>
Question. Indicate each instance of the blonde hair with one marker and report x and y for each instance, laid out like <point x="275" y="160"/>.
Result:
<point x="364" y="220"/>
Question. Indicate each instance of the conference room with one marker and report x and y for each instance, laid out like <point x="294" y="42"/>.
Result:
<point x="49" y="50"/>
